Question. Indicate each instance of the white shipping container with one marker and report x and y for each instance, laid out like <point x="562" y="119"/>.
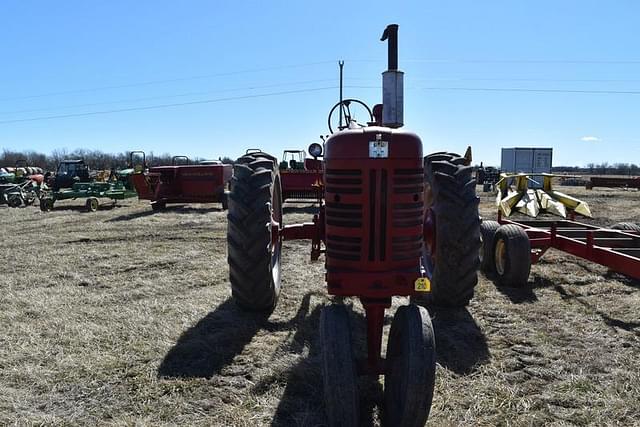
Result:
<point x="527" y="160"/>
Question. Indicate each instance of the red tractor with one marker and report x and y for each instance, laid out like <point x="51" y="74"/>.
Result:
<point x="301" y="177"/>
<point x="391" y="223"/>
<point x="180" y="183"/>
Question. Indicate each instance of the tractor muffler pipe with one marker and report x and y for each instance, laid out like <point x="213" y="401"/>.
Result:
<point x="392" y="82"/>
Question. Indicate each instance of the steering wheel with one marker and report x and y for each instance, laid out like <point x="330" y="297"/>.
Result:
<point x="345" y="110"/>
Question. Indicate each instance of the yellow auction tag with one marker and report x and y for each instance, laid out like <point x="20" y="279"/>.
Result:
<point x="422" y="284"/>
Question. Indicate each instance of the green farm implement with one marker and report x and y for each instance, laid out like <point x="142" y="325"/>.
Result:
<point x="91" y="192"/>
<point x="20" y="185"/>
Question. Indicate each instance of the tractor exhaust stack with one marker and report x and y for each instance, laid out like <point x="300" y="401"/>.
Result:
<point x="392" y="82"/>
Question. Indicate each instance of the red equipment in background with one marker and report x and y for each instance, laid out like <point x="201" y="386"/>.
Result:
<point x="301" y="177"/>
<point x="392" y="223"/>
<point x="181" y="183"/>
<point x="510" y="247"/>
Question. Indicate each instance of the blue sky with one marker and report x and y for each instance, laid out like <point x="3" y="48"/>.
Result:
<point x="68" y="58"/>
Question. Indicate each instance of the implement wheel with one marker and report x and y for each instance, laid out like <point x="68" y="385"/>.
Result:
<point x="451" y="195"/>
<point x="411" y="368"/>
<point x="255" y="208"/>
<point x="339" y="375"/>
<point x="46" y="205"/>
<point x="224" y="199"/>
<point x="487" y="234"/>
<point x="626" y="226"/>
<point x="158" y="206"/>
<point x="512" y="256"/>
<point x="14" y="201"/>
<point x="92" y="204"/>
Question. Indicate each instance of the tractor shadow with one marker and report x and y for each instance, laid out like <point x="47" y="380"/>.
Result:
<point x="460" y="344"/>
<point x="179" y="209"/>
<point x="184" y="209"/>
<point x="302" y="402"/>
<point x="206" y="348"/>
<point x="524" y="295"/>
<point x="129" y="217"/>
<point x="625" y="280"/>
<point x="568" y="294"/>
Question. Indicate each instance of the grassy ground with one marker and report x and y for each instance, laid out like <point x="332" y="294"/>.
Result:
<point x="123" y="317"/>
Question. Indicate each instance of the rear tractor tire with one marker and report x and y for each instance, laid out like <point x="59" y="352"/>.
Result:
<point x="339" y="376"/>
<point x="451" y="195"/>
<point x="512" y="256"/>
<point x="487" y="234"/>
<point x="255" y="204"/>
<point x="411" y="368"/>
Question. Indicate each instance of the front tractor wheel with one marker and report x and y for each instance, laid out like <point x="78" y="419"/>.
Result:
<point x="512" y="256"/>
<point x="451" y="196"/>
<point x="254" y="243"/>
<point x="339" y="376"/>
<point x="411" y="368"/>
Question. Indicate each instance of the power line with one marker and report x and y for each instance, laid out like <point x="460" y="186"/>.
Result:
<point x="524" y="79"/>
<point x="153" y="82"/>
<point x="495" y="89"/>
<point x="93" y="104"/>
<point x="60" y="107"/>
<point x="510" y="61"/>
<point x="281" y="67"/>
<point x="160" y="106"/>
<point x="209" y="101"/>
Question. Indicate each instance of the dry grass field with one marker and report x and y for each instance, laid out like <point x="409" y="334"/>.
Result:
<point x="124" y="317"/>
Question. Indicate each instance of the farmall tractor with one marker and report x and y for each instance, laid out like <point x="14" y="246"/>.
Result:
<point x="180" y="182"/>
<point x="392" y="223"/>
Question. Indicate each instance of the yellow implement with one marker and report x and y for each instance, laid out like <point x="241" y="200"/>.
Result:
<point x="519" y="197"/>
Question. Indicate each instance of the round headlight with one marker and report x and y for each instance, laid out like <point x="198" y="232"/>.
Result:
<point x="315" y="150"/>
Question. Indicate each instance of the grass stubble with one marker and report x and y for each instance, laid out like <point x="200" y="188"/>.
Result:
<point x="124" y="317"/>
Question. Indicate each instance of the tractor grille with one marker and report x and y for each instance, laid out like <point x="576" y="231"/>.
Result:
<point x="374" y="214"/>
<point x="343" y="247"/>
<point x="408" y="215"/>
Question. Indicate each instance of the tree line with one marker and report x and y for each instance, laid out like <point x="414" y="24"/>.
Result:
<point x="95" y="159"/>
<point x="604" y="168"/>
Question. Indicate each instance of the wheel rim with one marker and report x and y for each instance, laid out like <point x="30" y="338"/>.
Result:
<point x="276" y="218"/>
<point x="500" y="256"/>
<point x="481" y="250"/>
<point x="94" y="205"/>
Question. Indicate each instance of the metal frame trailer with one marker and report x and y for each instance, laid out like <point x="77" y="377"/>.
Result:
<point x="91" y="191"/>
<point x="617" y="249"/>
